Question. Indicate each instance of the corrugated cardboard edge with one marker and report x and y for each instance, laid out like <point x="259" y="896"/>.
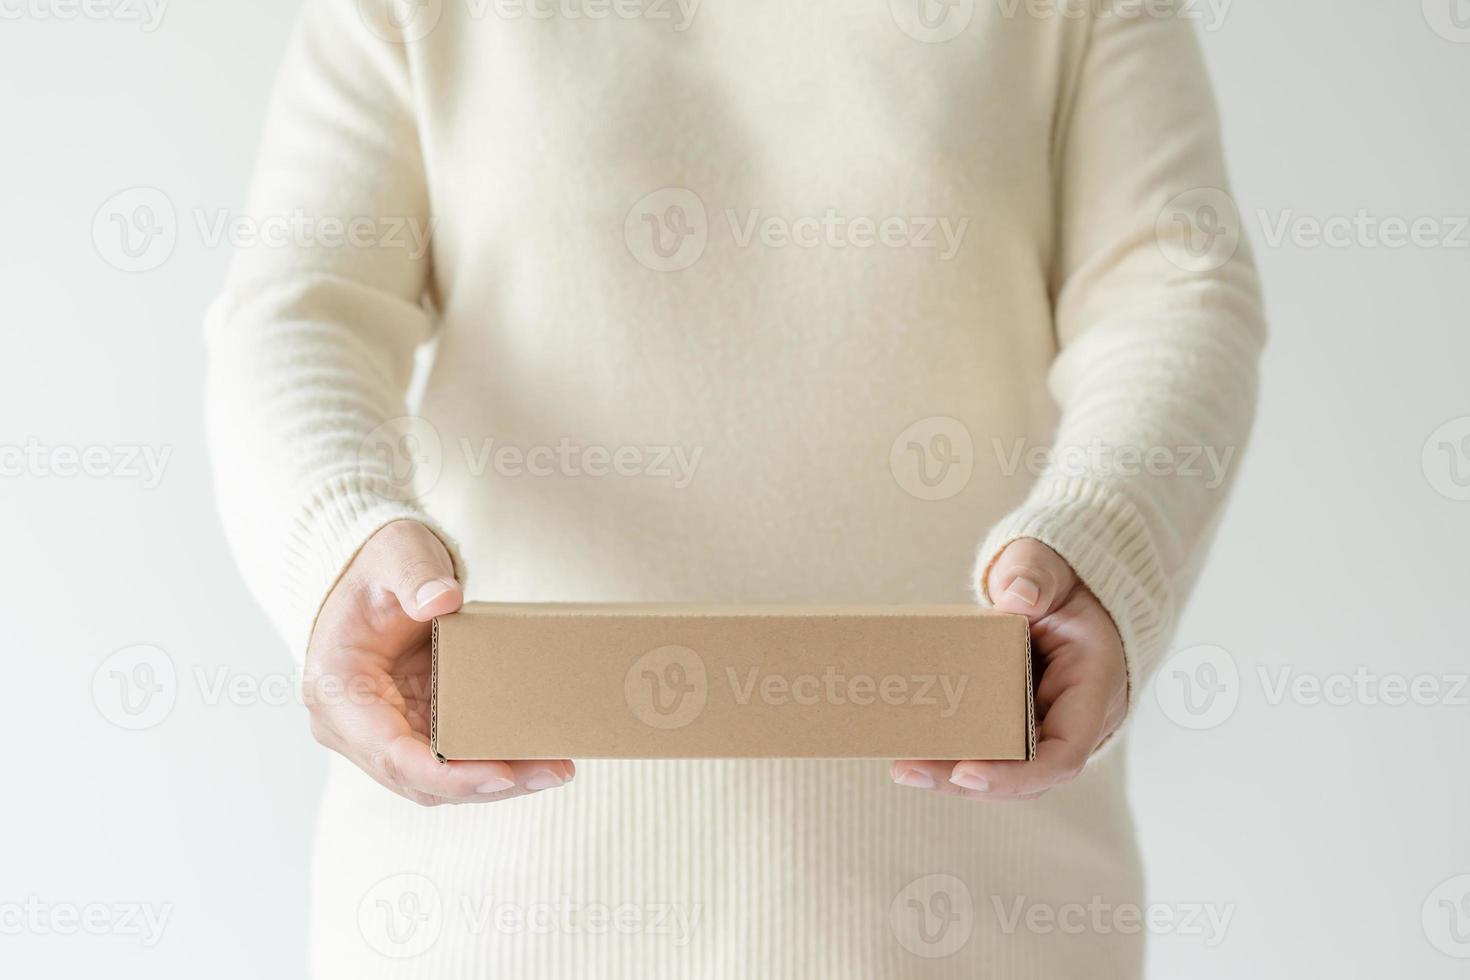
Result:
<point x="434" y="687"/>
<point x="1030" y="700"/>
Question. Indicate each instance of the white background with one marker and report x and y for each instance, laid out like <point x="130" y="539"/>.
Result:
<point x="1327" y="827"/>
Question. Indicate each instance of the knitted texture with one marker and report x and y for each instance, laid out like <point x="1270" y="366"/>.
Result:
<point x="735" y="302"/>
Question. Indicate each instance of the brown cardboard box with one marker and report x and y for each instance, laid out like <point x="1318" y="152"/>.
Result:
<point x="663" y="682"/>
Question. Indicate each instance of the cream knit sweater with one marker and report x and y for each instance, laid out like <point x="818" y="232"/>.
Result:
<point x="735" y="301"/>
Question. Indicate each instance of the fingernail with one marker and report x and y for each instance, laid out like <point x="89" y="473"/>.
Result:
<point x="496" y="786"/>
<point x="430" y="591"/>
<point x="1025" y="590"/>
<point x="543" y="779"/>
<point x="969" y="780"/>
<point x="916" y="778"/>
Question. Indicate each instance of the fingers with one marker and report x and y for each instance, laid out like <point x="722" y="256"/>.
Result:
<point x="407" y="763"/>
<point x="927" y="774"/>
<point x="1072" y="729"/>
<point x="1058" y="761"/>
<point x="1069" y="733"/>
<point x="1082" y="693"/>
<point x="378" y="738"/>
<point x="418" y="771"/>
<point x="408" y="561"/>
<point x="1028" y="578"/>
<point x="424" y="779"/>
<point x="535" y="775"/>
<point x="525" y="783"/>
<point x="411" y="769"/>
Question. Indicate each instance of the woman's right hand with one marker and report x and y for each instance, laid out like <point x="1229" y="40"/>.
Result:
<point x="367" y="680"/>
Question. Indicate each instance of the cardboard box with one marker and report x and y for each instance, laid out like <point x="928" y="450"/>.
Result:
<point x="554" y="681"/>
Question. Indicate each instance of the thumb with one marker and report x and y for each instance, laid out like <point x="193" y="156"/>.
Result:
<point x="411" y="562"/>
<point x="1028" y="578"/>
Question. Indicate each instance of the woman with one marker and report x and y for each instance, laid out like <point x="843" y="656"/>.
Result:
<point x="892" y="283"/>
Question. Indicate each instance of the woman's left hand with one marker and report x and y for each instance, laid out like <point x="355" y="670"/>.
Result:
<point x="1083" y="693"/>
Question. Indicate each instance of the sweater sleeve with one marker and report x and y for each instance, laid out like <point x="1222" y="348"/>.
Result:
<point x="1159" y="328"/>
<point x="311" y="343"/>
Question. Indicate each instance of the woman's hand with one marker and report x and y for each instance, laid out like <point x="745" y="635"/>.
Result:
<point x="1083" y="693"/>
<point x="367" y="680"/>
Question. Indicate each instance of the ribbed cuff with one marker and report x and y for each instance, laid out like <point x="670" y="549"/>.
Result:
<point x="324" y="538"/>
<point x="1103" y="537"/>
